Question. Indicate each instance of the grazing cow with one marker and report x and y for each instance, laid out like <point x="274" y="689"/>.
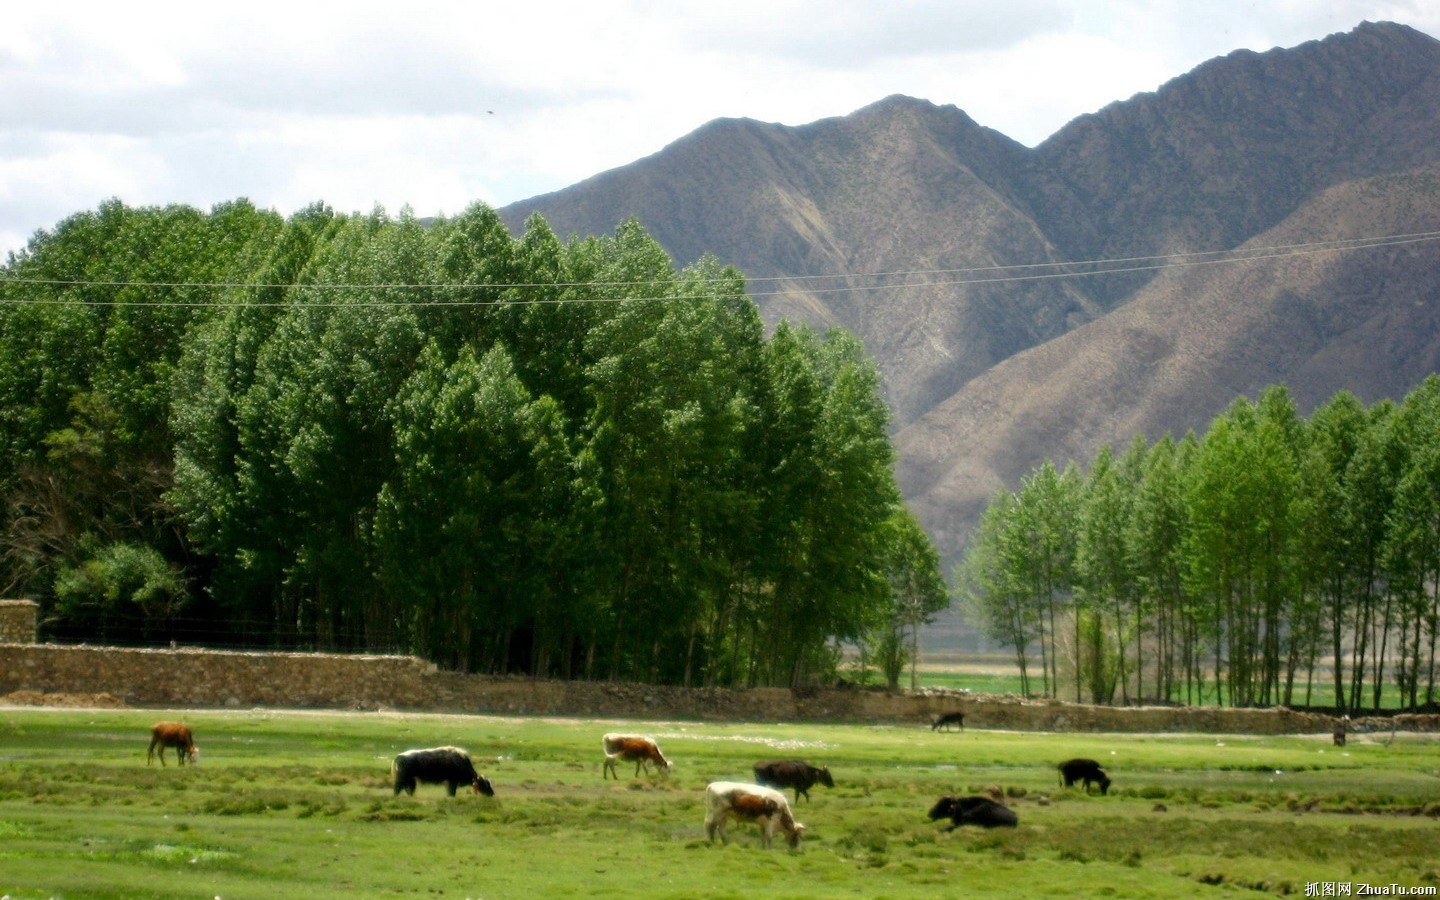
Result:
<point x="172" y="734"/>
<point x="1086" y="770"/>
<point x="632" y="747"/>
<point x="944" y="721"/>
<point x="980" y="811"/>
<point x="792" y="773"/>
<point x="450" y="766"/>
<point x="1341" y="727"/>
<point x="751" y="803"/>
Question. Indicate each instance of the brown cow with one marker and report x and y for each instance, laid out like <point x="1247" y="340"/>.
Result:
<point x="632" y="747"/>
<point x="172" y="734"/>
<point x="751" y="803"/>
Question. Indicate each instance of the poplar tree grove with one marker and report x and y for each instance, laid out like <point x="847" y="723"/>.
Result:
<point x="561" y="458"/>
<point x="1275" y="560"/>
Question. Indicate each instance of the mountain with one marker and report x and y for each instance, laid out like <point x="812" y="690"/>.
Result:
<point x="909" y="224"/>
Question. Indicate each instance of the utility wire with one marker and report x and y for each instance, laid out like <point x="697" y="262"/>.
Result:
<point x="932" y="278"/>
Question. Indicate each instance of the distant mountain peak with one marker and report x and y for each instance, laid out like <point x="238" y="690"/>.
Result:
<point x="991" y="362"/>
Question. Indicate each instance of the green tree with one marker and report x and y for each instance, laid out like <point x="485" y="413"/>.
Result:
<point x="832" y="490"/>
<point x="991" y="584"/>
<point x="459" y="528"/>
<point x="1413" y="542"/>
<point x="917" y="593"/>
<point x="1156" y="535"/>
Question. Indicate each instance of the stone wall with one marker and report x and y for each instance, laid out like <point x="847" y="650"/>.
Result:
<point x="203" y="678"/>
<point x="17" y="621"/>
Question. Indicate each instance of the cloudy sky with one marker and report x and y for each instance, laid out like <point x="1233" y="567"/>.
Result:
<point x="439" y="104"/>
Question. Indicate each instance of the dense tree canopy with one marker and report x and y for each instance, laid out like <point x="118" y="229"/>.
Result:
<point x="504" y="454"/>
<point x="1232" y="567"/>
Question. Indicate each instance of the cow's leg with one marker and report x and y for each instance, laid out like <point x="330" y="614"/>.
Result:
<point x="450" y="787"/>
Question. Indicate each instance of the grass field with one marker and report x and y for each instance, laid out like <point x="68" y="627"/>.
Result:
<point x="997" y="673"/>
<point x="294" y="804"/>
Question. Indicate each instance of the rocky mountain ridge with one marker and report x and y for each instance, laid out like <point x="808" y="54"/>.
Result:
<point x="989" y="369"/>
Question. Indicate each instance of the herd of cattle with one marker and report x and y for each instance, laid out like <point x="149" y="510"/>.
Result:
<point x="761" y="803"/>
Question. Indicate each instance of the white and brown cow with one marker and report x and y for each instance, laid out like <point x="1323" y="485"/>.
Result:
<point x="751" y="803"/>
<point x="450" y="766"/>
<point x="172" y="734"/>
<point x="635" y="748"/>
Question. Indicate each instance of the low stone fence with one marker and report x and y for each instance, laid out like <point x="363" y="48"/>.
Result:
<point x="209" y="678"/>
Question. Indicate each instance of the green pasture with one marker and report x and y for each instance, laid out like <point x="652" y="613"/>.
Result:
<point x="996" y="680"/>
<point x="296" y="804"/>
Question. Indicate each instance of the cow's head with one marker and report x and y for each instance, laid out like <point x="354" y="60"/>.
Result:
<point x="193" y="754"/>
<point x="793" y="838"/>
<point x="825" y="779"/>
<point x="944" y="808"/>
<point x="482" y="785"/>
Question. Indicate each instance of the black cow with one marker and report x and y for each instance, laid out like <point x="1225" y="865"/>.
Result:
<point x="449" y="766"/>
<point x="1086" y="770"/>
<point x="980" y="811"/>
<point x="792" y="773"/>
<point x="945" y="720"/>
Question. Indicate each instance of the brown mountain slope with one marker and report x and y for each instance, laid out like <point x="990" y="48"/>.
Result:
<point x="987" y="374"/>
<point x="1232" y="148"/>
<point x="900" y="186"/>
<point x="1189" y="343"/>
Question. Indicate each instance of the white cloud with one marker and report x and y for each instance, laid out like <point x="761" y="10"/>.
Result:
<point x="438" y="104"/>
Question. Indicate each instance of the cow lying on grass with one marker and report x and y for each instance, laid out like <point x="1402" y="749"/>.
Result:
<point x="980" y="811"/>
<point x="632" y="748"/>
<point x="792" y="773"/>
<point x="449" y="766"/>
<point x="172" y="734"/>
<point x="751" y="803"/>
<point x="1086" y="770"/>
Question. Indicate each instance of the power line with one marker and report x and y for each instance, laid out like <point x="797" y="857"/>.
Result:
<point x="1019" y="272"/>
